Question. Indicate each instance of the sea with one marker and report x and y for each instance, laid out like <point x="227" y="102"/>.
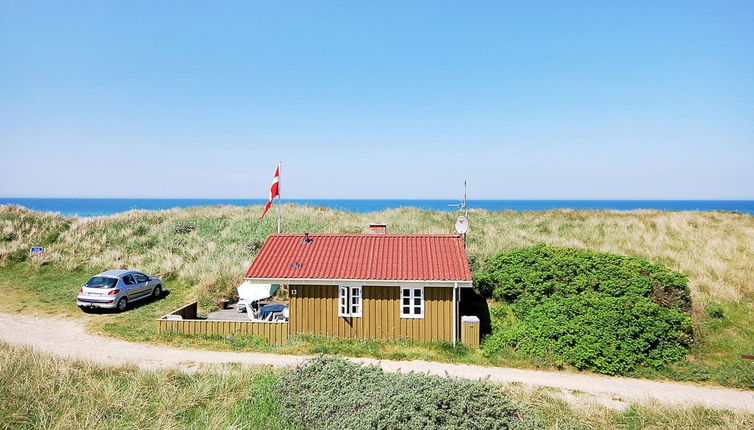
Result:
<point x="90" y="207"/>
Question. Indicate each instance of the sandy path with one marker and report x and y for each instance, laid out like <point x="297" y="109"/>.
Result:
<point x="68" y="338"/>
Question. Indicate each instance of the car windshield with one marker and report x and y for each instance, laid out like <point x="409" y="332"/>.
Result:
<point x="101" y="282"/>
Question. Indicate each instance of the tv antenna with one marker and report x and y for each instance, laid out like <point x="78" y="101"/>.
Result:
<point x="462" y="222"/>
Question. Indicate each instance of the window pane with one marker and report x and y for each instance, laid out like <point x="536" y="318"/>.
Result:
<point x="406" y="301"/>
<point x="418" y="302"/>
<point x="406" y="310"/>
<point x="417" y="310"/>
<point x="355" y="291"/>
<point x="417" y="292"/>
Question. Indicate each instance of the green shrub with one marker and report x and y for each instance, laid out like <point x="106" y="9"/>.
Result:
<point x="603" y="312"/>
<point x="715" y="310"/>
<point x="332" y="393"/>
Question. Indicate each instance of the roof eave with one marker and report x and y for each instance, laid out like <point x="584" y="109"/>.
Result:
<point x="376" y="282"/>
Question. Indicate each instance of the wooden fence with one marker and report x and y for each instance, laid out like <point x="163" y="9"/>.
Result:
<point x="275" y="333"/>
<point x="187" y="312"/>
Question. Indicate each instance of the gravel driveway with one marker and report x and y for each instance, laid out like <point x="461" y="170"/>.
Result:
<point x="66" y="337"/>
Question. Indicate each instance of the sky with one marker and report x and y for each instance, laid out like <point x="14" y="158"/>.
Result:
<point x="388" y="99"/>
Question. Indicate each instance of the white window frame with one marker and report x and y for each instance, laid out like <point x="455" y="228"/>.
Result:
<point x="412" y="303"/>
<point x="350" y="301"/>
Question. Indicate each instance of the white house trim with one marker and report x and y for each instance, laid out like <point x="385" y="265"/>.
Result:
<point x="411" y="304"/>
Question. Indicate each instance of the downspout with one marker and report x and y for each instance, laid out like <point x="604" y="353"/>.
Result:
<point x="455" y="322"/>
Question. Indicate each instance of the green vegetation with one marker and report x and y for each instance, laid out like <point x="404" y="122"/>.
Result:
<point x="203" y="253"/>
<point x="593" y="310"/>
<point x="41" y="391"/>
<point x="318" y="392"/>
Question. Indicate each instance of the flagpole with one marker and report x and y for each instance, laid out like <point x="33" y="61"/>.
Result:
<point x="280" y="199"/>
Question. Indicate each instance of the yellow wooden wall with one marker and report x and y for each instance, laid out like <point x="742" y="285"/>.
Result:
<point x="314" y="309"/>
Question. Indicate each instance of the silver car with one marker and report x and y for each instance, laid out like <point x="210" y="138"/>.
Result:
<point x="115" y="289"/>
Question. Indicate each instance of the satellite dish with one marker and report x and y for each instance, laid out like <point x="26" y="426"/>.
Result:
<point x="462" y="224"/>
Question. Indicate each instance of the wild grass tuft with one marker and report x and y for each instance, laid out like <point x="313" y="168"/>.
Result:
<point x="41" y="391"/>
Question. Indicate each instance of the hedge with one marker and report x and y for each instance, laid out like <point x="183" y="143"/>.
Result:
<point x="603" y="312"/>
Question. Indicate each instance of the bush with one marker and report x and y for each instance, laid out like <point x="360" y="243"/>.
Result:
<point x="603" y="312"/>
<point x="332" y="393"/>
<point x="715" y="310"/>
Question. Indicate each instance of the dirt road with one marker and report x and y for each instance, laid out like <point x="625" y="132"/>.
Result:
<point x="67" y="337"/>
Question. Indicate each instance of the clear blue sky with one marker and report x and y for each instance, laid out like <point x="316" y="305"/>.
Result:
<point x="378" y="99"/>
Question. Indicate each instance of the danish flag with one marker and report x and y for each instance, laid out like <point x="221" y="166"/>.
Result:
<point x="274" y="190"/>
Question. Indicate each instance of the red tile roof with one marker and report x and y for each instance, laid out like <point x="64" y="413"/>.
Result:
<point x="426" y="257"/>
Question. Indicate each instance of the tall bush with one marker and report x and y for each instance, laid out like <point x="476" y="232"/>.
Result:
<point x="604" y="312"/>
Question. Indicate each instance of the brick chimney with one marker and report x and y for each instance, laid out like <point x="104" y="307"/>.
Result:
<point x="377" y="228"/>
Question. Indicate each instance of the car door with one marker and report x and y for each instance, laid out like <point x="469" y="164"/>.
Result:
<point x="132" y="290"/>
<point x="142" y="282"/>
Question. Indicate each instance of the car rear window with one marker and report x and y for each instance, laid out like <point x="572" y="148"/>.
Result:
<point x="101" y="282"/>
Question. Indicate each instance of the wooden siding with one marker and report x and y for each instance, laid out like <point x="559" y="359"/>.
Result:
<point x="275" y="333"/>
<point x="470" y="334"/>
<point x="314" y="309"/>
<point x="186" y="312"/>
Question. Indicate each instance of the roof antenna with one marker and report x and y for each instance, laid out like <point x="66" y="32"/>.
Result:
<point x="462" y="222"/>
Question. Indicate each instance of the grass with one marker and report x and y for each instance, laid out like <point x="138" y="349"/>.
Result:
<point x="203" y="253"/>
<point x="41" y="391"/>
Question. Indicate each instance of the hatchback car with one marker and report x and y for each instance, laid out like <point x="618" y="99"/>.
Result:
<point x="115" y="289"/>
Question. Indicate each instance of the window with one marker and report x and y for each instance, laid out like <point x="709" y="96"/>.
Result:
<point x="128" y="280"/>
<point x="412" y="302"/>
<point x="101" y="282"/>
<point x="140" y="278"/>
<point x="349" y="301"/>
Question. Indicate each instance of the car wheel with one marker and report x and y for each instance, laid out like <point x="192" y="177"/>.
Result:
<point x="157" y="292"/>
<point x="122" y="303"/>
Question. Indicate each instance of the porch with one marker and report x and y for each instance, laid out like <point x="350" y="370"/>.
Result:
<point x="226" y="322"/>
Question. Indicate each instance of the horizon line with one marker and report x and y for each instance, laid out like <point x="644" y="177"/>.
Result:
<point x="377" y="198"/>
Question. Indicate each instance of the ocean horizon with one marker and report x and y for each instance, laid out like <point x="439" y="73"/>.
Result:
<point x="90" y="207"/>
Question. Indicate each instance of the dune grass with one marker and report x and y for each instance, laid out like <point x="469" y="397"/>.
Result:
<point x="203" y="253"/>
<point x="42" y="391"/>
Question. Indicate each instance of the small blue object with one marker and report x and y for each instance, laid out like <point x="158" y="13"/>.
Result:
<point x="37" y="250"/>
<point x="266" y="310"/>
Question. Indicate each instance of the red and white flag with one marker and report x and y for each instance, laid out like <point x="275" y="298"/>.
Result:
<point x="274" y="190"/>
